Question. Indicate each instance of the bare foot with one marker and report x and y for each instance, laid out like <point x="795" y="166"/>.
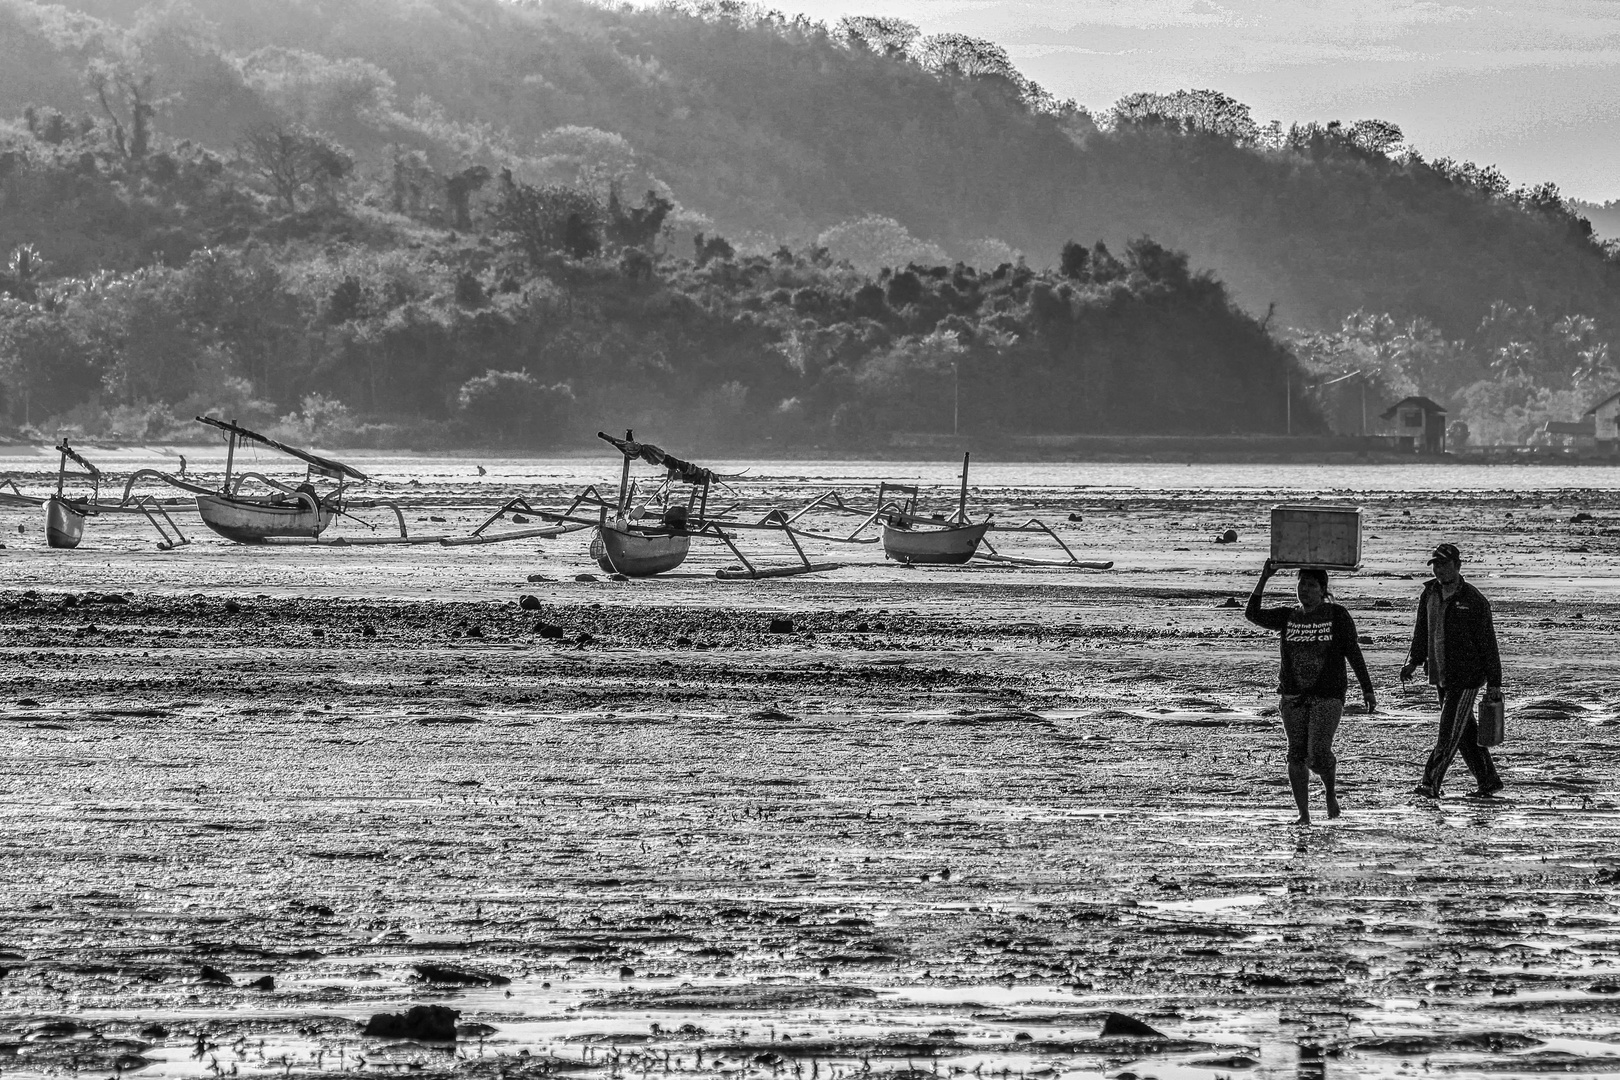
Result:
<point x="1303" y="819"/>
<point x="1333" y="808"/>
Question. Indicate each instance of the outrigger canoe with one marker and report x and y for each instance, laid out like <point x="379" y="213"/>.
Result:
<point x="286" y="512"/>
<point x="909" y="537"/>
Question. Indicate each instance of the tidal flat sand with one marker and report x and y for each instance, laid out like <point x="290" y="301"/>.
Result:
<point x="946" y="824"/>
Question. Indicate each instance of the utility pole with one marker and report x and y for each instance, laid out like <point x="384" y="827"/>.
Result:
<point x="1288" y="402"/>
<point x="956" y="398"/>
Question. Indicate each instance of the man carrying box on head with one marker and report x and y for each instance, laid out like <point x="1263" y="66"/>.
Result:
<point x="1455" y="642"/>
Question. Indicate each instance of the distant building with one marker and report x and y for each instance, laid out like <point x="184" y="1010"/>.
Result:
<point x="1605" y="420"/>
<point x="1576" y="433"/>
<point x="1419" y="425"/>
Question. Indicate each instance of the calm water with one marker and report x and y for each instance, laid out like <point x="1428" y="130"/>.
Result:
<point x="34" y="468"/>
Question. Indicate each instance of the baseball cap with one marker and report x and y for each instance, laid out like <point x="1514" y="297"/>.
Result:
<point x="1446" y="553"/>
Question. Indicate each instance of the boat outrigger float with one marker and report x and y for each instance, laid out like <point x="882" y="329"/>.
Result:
<point x="65" y="516"/>
<point x="287" y="512"/>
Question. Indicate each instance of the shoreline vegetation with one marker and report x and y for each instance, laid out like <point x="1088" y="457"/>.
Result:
<point x="1214" y="449"/>
<point x="322" y="228"/>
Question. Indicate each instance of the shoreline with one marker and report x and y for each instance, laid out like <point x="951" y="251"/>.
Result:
<point x="1087" y="449"/>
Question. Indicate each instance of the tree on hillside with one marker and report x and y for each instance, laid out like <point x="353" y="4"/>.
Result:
<point x="636" y="226"/>
<point x="551" y="218"/>
<point x="1191" y="111"/>
<point x="873" y="242"/>
<point x="884" y="35"/>
<point x="294" y="160"/>
<point x="125" y="94"/>
<point x="961" y="54"/>
<point x="459" y="189"/>
<point x="23" y="273"/>
<point x="514" y="406"/>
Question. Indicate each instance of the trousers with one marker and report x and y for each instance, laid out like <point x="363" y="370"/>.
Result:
<point x="1311" y="723"/>
<point x="1459" y="731"/>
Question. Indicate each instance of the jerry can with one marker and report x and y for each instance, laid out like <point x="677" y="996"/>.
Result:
<point x="1491" y="728"/>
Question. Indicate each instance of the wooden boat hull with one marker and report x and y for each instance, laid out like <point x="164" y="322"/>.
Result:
<point x="637" y="554"/>
<point x="64" y="523"/>
<point x="253" y="521"/>
<point x="950" y="546"/>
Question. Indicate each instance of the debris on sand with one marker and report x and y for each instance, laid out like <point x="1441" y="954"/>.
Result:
<point x="425" y="1023"/>
<point x="214" y="977"/>
<point x="1119" y="1026"/>
<point x="548" y="630"/>
<point x="1230" y="536"/>
<point x="444" y="974"/>
<point x="1230" y="602"/>
<point x="781" y="626"/>
<point x="735" y="998"/>
<point x="1009" y="716"/>
<point x="1494" y="1042"/>
<point x="769" y="714"/>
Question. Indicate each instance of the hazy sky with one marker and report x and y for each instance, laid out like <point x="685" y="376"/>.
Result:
<point x="1531" y="87"/>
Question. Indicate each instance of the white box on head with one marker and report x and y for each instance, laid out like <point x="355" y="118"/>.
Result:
<point x="1326" y="537"/>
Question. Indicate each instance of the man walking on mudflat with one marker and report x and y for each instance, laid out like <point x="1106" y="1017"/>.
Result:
<point x="1455" y="641"/>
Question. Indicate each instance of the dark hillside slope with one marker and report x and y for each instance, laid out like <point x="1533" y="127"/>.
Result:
<point x="777" y="129"/>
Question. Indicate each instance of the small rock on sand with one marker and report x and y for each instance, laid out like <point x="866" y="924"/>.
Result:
<point x="585" y="577"/>
<point x="548" y="630"/>
<point x="529" y="602"/>
<point x="536" y="578"/>
<point x="1230" y="536"/>
<point x="1230" y="601"/>
<point x="214" y="976"/>
<point x="429" y="1023"/>
<point x="445" y="974"/>
<point x="781" y="626"/>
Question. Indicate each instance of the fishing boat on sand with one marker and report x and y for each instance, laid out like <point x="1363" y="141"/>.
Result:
<point x="654" y="536"/>
<point x="65" y="516"/>
<point x="286" y="512"/>
<point x="916" y="539"/>
<point x="909" y="537"/>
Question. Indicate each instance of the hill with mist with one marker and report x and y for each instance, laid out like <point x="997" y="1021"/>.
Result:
<point x="828" y="152"/>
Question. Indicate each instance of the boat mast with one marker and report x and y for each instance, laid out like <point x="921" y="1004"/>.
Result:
<point x="61" y="469"/>
<point x="961" y="503"/>
<point x="230" y="455"/>
<point x="624" y="475"/>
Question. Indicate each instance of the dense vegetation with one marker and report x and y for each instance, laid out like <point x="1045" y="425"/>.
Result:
<point x="361" y="213"/>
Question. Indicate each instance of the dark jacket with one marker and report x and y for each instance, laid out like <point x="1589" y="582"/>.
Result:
<point x="1340" y="646"/>
<point x="1471" y="656"/>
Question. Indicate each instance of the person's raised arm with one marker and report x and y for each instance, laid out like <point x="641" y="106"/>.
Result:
<point x="1253" y="612"/>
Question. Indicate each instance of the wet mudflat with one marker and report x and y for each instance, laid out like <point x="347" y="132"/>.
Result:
<point x="947" y="823"/>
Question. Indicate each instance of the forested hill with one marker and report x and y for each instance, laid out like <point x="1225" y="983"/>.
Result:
<point x="475" y="218"/>
<point x="779" y="130"/>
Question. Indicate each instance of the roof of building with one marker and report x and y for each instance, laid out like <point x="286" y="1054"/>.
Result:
<point x="1422" y="402"/>
<point x="1570" y="427"/>
<point x="1593" y="410"/>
